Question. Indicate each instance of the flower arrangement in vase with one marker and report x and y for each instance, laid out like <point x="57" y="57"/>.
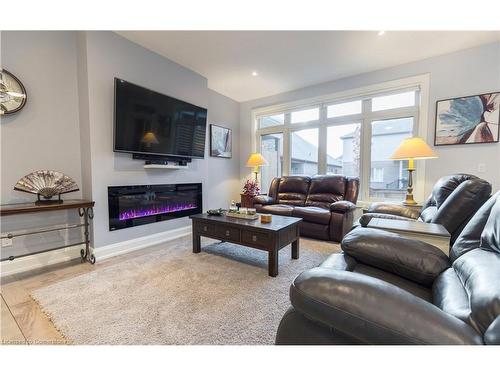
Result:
<point x="250" y="190"/>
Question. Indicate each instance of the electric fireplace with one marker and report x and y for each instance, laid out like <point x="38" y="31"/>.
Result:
<point x="130" y="206"/>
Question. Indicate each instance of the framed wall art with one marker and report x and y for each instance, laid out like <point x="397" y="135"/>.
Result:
<point x="468" y="120"/>
<point x="220" y="142"/>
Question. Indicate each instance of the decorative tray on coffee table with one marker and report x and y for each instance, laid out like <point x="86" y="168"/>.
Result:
<point x="240" y="215"/>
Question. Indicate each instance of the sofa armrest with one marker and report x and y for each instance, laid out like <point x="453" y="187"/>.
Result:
<point x="394" y="209"/>
<point x="374" y="311"/>
<point x="263" y="200"/>
<point x="364" y="220"/>
<point x="412" y="259"/>
<point x="342" y="207"/>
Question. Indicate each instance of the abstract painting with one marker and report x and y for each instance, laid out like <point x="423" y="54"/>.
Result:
<point x="467" y="120"/>
<point x="220" y="142"/>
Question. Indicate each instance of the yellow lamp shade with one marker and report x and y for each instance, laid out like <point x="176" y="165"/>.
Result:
<point x="413" y="148"/>
<point x="256" y="160"/>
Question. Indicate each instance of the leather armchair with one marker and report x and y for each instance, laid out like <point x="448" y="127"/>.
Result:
<point x="384" y="289"/>
<point x="453" y="201"/>
<point x="326" y="203"/>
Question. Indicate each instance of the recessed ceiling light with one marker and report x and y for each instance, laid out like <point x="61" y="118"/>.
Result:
<point x="255" y="74"/>
<point x="381" y="32"/>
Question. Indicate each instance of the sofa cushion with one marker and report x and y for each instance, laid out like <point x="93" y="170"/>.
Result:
<point x="313" y="214"/>
<point x="428" y="214"/>
<point x="490" y="238"/>
<point x="292" y="190"/>
<point x="444" y="187"/>
<point x="479" y="271"/>
<point x="277" y="209"/>
<point x="325" y="190"/>
<point x="449" y="295"/>
<point x="470" y="237"/>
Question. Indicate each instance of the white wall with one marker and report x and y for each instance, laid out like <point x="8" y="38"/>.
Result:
<point x="467" y="72"/>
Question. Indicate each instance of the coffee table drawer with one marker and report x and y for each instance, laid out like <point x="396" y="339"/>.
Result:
<point x="207" y="229"/>
<point x="228" y="233"/>
<point x="254" y="238"/>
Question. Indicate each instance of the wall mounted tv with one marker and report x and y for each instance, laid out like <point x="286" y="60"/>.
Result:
<point x="156" y="125"/>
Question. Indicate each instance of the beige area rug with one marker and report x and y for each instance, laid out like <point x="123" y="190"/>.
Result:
<point x="168" y="295"/>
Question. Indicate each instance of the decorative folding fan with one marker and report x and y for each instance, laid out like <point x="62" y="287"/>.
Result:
<point x="46" y="184"/>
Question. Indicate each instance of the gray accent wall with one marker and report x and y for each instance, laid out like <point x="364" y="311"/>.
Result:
<point x="67" y="124"/>
<point x="45" y="134"/>
<point x="467" y="72"/>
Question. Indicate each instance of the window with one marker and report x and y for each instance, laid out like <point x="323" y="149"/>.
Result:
<point x="378" y="174"/>
<point x="271" y="147"/>
<point x="354" y="135"/>
<point x="304" y="144"/>
<point x="305" y="115"/>
<point x="389" y="178"/>
<point x="343" y="149"/>
<point x="344" y="109"/>
<point x="405" y="99"/>
<point x="274" y="120"/>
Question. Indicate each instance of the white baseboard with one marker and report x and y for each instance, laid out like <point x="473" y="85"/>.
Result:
<point x="125" y="247"/>
<point x="32" y="262"/>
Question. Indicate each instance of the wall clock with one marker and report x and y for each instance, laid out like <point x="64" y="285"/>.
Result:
<point x="12" y="93"/>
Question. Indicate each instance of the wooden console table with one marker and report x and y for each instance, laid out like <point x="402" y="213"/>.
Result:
<point x="85" y="210"/>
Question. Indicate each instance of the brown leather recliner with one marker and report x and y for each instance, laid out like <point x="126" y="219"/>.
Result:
<point x="326" y="203"/>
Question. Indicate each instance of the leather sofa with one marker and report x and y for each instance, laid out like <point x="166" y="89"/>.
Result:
<point x="384" y="289"/>
<point x="326" y="203"/>
<point x="453" y="201"/>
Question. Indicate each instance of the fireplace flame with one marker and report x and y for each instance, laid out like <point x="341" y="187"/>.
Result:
<point x="132" y="214"/>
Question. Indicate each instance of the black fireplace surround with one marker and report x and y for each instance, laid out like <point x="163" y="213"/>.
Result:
<point x="130" y="206"/>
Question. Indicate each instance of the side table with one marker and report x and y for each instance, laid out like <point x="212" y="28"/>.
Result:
<point x="434" y="234"/>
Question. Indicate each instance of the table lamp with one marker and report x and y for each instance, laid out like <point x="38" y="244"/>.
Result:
<point x="411" y="149"/>
<point x="256" y="160"/>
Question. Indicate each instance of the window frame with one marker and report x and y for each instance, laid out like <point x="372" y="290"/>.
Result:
<point x="419" y="112"/>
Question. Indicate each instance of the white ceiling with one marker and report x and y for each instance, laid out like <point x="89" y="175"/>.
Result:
<point x="288" y="60"/>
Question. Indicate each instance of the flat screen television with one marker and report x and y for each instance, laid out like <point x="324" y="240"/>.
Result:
<point x="150" y="123"/>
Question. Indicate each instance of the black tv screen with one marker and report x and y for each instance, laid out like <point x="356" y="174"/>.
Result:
<point x="147" y="122"/>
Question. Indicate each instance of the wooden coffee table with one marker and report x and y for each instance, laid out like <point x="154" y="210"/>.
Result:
<point x="271" y="237"/>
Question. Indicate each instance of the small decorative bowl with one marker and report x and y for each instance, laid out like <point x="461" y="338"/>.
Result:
<point x="266" y="218"/>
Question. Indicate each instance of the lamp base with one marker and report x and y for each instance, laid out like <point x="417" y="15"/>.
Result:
<point x="409" y="201"/>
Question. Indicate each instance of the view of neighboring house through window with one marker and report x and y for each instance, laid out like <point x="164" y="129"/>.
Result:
<point x="389" y="178"/>
<point x="352" y="137"/>
<point x="304" y="145"/>
<point x="342" y="149"/>
<point x="271" y="147"/>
